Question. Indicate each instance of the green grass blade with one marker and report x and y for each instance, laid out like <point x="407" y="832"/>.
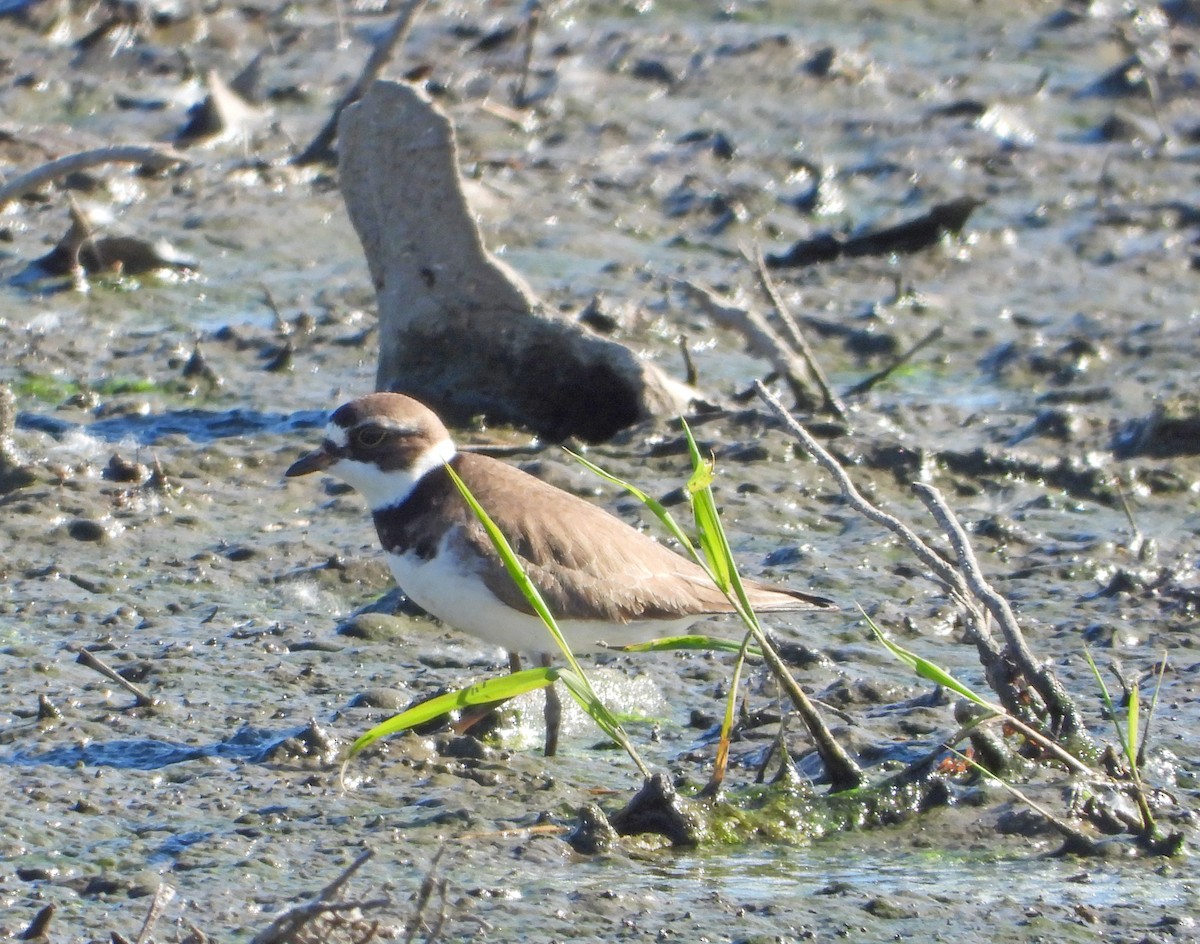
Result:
<point x="656" y="507"/>
<point x="1104" y="695"/>
<point x="1132" y="723"/>
<point x="708" y="520"/>
<point x="688" y="643"/>
<point x="1158" y="680"/>
<point x="721" y="760"/>
<point x="575" y="679"/>
<point x="1106" y="698"/>
<point x="929" y="670"/>
<point x="480" y="693"/>
<point x="714" y="541"/>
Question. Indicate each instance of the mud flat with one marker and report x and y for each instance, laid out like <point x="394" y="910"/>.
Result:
<point x="143" y="515"/>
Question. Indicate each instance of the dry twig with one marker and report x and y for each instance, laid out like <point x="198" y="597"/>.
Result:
<point x="92" y="661"/>
<point x="320" y="148"/>
<point x="1062" y="709"/>
<point x="156" y="157"/>
<point x="761" y="340"/>
<point x="429" y="884"/>
<point x="877" y="378"/>
<point x="965" y="584"/>
<point x="833" y="402"/>
<point x="287" y="927"/>
<point x="533" y="18"/>
<point x="162" y="897"/>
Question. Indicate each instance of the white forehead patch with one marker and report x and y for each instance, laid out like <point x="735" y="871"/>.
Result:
<point x="336" y="435"/>
<point x="387" y="489"/>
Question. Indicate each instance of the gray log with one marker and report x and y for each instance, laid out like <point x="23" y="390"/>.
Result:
<point x="458" y="329"/>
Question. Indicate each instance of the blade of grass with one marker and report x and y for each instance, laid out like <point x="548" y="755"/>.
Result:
<point x="1081" y="839"/>
<point x="655" y="506"/>
<point x="1162" y="670"/>
<point x="844" y="773"/>
<point x="481" y="693"/>
<point x="721" y="759"/>
<point x="929" y="670"/>
<point x="576" y="680"/>
<point x="1127" y="734"/>
<point x="689" y="642"/>
<point x="1131" y="730"/>
<point x="713" y="540"/>
<point x="1106" y="698"/>
<point x="936" y="673"/>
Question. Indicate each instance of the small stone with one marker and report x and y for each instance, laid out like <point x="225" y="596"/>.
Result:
<point x="386" y="699"/>
<point x="87" y="529"/>
<point x="372" y="627"/>
<point x="466" y="748"/>
<point x="120" y="469"/>
<point x="593" y="833"/>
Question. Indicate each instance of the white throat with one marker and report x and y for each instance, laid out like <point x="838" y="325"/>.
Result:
<point x="388" y="489"/>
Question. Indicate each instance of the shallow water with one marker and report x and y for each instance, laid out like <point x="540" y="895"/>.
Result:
<point x="1072" y="288"/>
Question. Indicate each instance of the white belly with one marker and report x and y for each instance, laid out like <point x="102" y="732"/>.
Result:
<point x="443" y="589"/>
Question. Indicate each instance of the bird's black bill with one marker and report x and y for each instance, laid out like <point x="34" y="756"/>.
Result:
<point x="315" y="461"/>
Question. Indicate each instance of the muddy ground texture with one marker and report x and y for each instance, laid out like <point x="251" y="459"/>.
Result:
<point x="143" y="515"/>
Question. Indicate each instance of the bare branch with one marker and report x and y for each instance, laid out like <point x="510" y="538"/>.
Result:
<point x="162" y="896"/>
<point x="761" y="339"/>
<point x="92" y="661"/>
<point x="864" y="385"/>
<point x="156" y="157"/>
<point x="833" y="402"/>
<point x="1066" y="716"/>
<point x="320" y="148"/>
<point x="288" y="925"/>
<point x="990" y="656"/>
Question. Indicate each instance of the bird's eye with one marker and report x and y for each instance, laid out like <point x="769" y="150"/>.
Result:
<point x="369" y="436"/>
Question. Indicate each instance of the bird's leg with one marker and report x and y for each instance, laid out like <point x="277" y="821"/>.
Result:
<point x="553" y="713"/>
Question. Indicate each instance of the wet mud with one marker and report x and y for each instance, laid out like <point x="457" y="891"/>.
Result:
<point x="144" y="517"/>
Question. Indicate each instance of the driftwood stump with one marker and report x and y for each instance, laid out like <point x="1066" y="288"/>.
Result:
<point x="458" y="329"/>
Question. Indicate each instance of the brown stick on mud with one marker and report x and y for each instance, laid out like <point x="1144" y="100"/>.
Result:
<point x="761" y="340"/>
<point x="843" y="773"/>
<point x="864" y="385"/>
<point x="833" y="403"/>
<point x="162" y="897"/>
<point x="156" y="157"/>
<point x="92" y="661"/>
<point x="997" y="670"/>
<point x="287" y="926"/>
<point x="533" y="19"/>
<point x="1066" y="720"/>
<point x="965" y="584"/>
<point x="429" y="884"/>
<point x="320" y="148"/>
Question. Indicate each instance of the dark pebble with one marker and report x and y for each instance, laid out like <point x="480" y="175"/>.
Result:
<point x="465" y="748"/>
<point x="374" y="627"/>
<point x="651" y="70"/>
<point x="120" y="469"/>
<point x="85" y="529"/>
<point x="37" y="874"/>
<point x="783" y="557"/>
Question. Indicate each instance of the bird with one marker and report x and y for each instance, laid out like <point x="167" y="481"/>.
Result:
<point x="604" y="581"/>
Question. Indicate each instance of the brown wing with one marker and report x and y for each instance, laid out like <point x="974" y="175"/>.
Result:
<point x="588" y="564"/>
